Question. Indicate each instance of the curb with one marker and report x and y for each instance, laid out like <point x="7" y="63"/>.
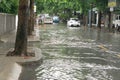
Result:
<point x="11" y="70"/>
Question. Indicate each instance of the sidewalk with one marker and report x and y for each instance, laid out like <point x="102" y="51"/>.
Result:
<point x="9" y="68"/>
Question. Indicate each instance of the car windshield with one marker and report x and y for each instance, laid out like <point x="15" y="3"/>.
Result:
<point x="118" y="17"/>
<point x="74" y="19"/>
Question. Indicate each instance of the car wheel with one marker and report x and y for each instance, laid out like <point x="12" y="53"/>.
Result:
<point x="118" y="28"/>
<point x="113" y="26"/>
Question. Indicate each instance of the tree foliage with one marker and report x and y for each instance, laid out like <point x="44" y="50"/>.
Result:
<point x="56" y="6"/>
<point x="69" y="6"/>
<point x="9" y="6"/>
<point x="63" y="8"/>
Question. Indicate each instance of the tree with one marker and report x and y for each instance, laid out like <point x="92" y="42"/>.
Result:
<point x="31" y="18"/>
<point x="9" y="6"/>
<point x="101" y="5"/>
<point x="63" y="8"/>
<point x="21" y="37"/>
<point x="84" y="7"/>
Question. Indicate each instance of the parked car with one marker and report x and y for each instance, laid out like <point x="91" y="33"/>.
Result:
<point x="73" y="22"/>
<point x="48" y="20"/>
<point x="55" y="19"/>
<point x="116" y="22"/>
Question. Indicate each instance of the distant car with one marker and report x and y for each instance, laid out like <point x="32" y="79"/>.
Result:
<point x="116" y="22"/>
<point x="73" y="22"/>
<point x="55" y="19"/>
<point x="48" y="20"/>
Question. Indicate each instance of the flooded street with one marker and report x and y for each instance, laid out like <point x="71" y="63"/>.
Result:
<point x="76" y="54"/>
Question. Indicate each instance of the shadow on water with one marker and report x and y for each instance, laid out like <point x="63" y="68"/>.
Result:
<point x="28" y="72"/>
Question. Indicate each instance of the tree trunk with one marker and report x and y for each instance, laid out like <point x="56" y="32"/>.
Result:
<point x="110" y="20"/>
<point x="99" y="20"/>
<point x="21" y="37"/>
<point x="31" y="18"/>
<point x="84" y="20"/>
<point x="33" y="14"/>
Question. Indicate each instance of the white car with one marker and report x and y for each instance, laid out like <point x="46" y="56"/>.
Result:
<point x="73" y="22"/>
<point x="48" y="20"/>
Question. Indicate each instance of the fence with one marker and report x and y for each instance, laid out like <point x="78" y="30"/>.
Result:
<point x="7" y="23"/>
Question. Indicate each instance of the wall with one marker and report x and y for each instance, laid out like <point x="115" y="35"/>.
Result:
<point x="7" y="23"/>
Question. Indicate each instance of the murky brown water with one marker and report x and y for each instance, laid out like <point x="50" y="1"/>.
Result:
<point x="76" y="54"/>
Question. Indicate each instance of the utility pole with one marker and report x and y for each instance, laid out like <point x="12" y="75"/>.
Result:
<point x="111" y="5"/>
<point x="91" y="5"/>
<point x="111" y="18"/>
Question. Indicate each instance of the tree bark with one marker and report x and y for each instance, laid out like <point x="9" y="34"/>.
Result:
<point x="21" y="37"/>
<point x="99" y="20"/>
<point x="109" y="20"/>
<point x="31" y="18"/>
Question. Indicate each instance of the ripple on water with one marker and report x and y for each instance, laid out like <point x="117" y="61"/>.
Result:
<point x="69" y="69"/>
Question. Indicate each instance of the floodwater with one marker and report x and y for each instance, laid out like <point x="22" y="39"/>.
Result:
<point x="75" y="54"/>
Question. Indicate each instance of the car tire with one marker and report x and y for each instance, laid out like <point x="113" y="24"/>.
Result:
<point x="118" y="29"/>
<point x="113" y="26"/>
